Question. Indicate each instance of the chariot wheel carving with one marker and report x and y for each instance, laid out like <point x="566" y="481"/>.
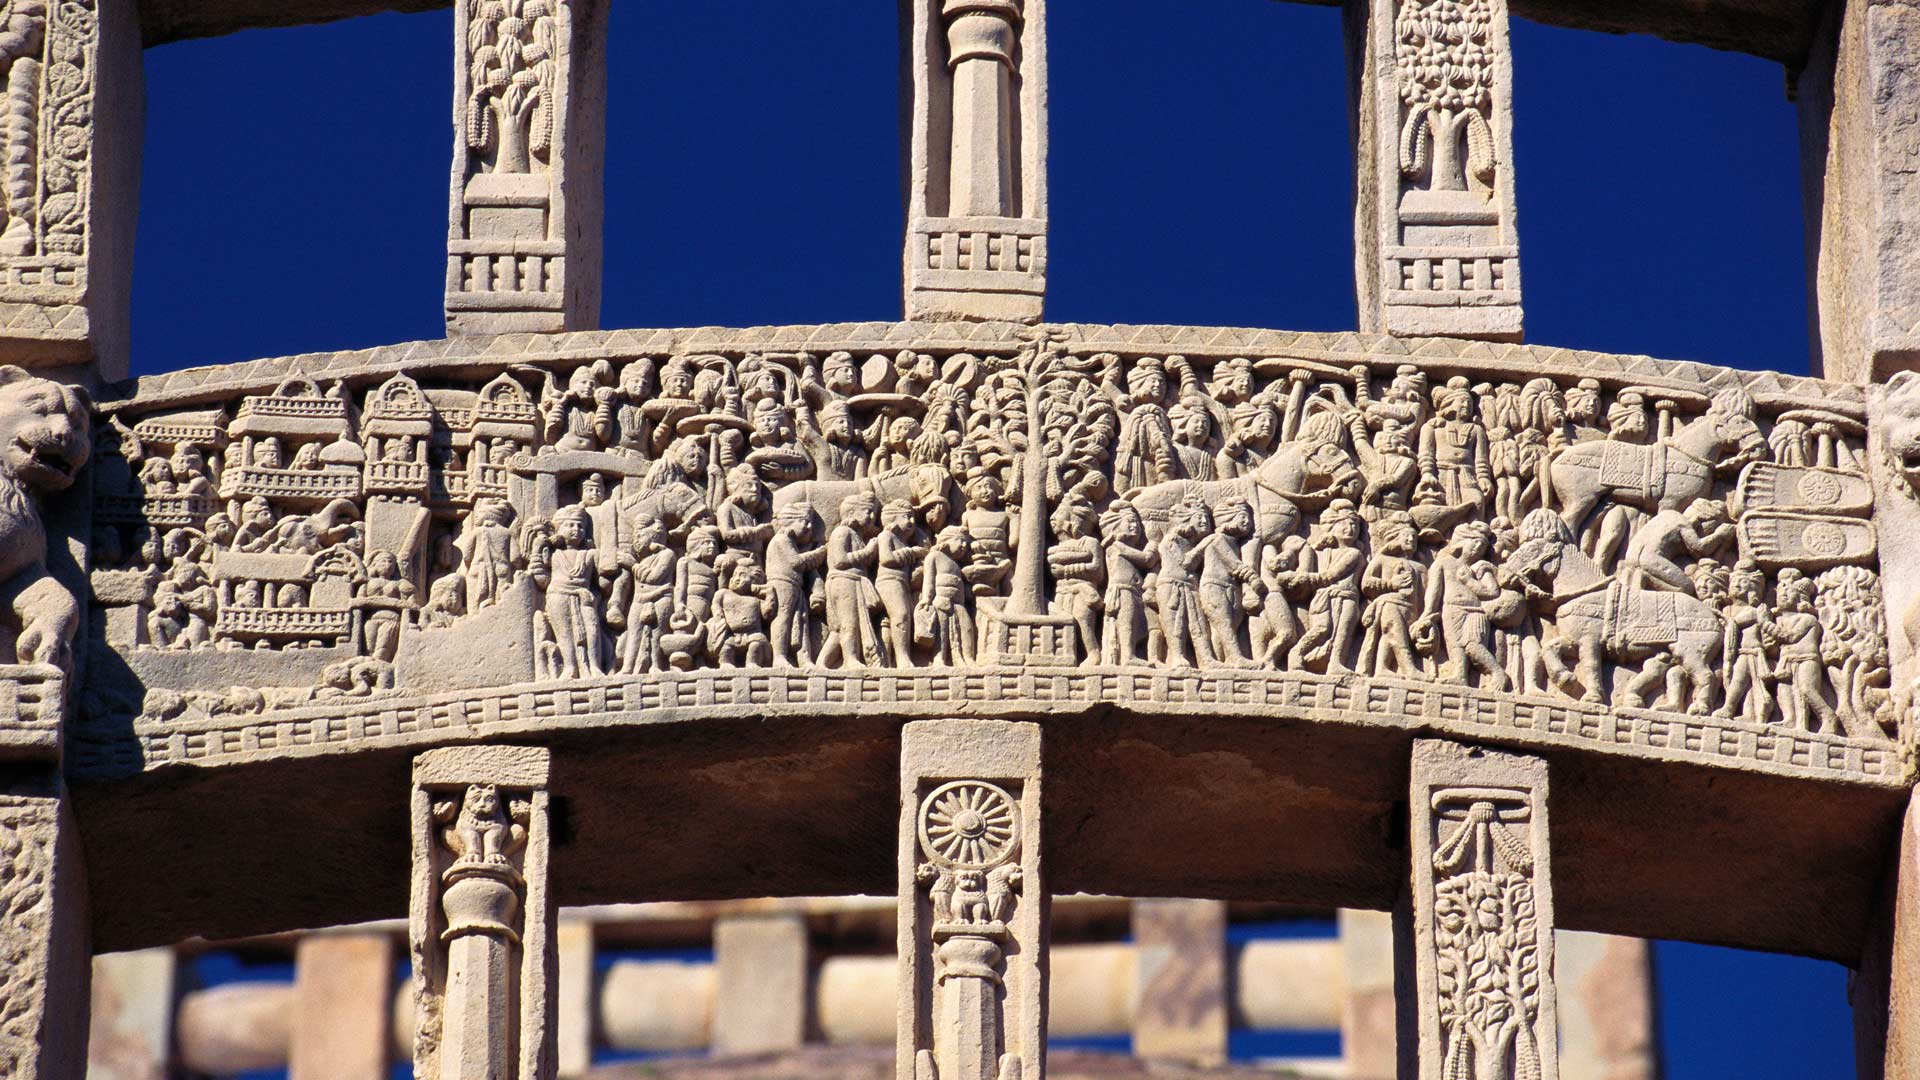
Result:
<point x="969" y="825"/>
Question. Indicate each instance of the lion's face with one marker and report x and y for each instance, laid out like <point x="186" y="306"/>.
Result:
<point x="1900" y="420"/>
<point x="44" y="430"/>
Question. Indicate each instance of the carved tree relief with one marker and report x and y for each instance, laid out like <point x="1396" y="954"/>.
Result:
<point x="1482" y="915"/>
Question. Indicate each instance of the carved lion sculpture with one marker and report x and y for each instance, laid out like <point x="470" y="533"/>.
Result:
<point x="1900" y="423"/>
<point x="44" y="442"/>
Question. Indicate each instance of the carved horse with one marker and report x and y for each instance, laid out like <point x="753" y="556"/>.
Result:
<point x="1307" y="472"/>
<point x="928" y="487"/>
<point x="1600" y="619"/>
<point x="1666" y="475"/>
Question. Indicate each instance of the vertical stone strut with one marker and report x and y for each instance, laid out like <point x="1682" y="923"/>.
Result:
<point x="43" y="936"/>
<point x="70" y="136"/>
<point x="977" y="228"/>
<point x="1857" y="101"/>
<point x="1434" y="226"/>
<point x="523" y="246"/>
<point x="1482" y="915"/>
<point x="973" y="904"/>
<point x="482" y="917"/>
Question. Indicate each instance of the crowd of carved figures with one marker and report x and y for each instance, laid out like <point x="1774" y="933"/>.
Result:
<point x="1653" y="547"/>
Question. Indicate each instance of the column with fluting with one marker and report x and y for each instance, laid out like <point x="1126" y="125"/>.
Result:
<point x="481" y="923"/>
<point x="976" y="230"/>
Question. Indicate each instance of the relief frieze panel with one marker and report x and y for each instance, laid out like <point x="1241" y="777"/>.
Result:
<point x="1697" y="553"/>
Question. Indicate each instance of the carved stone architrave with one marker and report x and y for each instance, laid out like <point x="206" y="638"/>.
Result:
<point x="1434" y="229"/>
<point x="70" y="133"/>
<point x="523" y="244"/>
<point x="1482" y="915"/>
<point x="977" y="205"/>
<point x="973" y="903"/>
<point x="43" y="934"/>
<point x="481" y="923"/>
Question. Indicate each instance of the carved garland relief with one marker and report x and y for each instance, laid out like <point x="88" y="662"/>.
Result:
<point x="27" y="829"/>
<point x="47" y="50"/>
<point x="1648" y="547"/>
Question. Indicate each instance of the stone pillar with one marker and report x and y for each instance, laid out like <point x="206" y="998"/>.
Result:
<point x="575" y="999"/>
<point x="1608" y="1028"/>
<point x="343" y="1007"/>
<point x="131" y="1030"/>
<point x="760" y="963"/>
<point x="1182" y="974"/>
<point x="1434" y="238"/>
<point x="977" y="205"/>
<point x="523" y="245"/>
<point x="481" y="921"/>
<point x="973" y="903"/>
<point x="1859" y="133"/>
<point x="1482" y="905"/>
<point x="1367" y="1013"/>
<point x="1884" y="990"/>
<point x="44" y="983"/>
<point x="70" y="138"/>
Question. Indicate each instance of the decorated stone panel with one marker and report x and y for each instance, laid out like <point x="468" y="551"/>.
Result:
<point x="1650" y="557"/>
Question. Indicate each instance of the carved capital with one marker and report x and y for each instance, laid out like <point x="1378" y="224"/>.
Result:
<point x="482" y="917"/>
<point x="972" y="906"/>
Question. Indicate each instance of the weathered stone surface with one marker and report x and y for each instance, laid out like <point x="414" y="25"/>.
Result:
<point x="1482" y="917"/>
<point x="1436" y="247"/>
<point x="529" y="102"/>
<point x="1183" y="979"/>
<point x="1858" y="109"/>
<point x="71" y="77"/>
<point x="342" y="996"/>
<point x="43" y="933"/>
<point x="973" y="903"/>
<point x="132" y="1009"/>
<point x="976" y="160"/>
<point x="1607" y="999"/>
<point x="481" y="921"/>
<point x="1369" y="1016"/>
<point x="236" y="1028"/>
<point x="764" y="988"/>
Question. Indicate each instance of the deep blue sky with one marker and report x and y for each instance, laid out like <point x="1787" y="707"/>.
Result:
<point x="295" y="199"/>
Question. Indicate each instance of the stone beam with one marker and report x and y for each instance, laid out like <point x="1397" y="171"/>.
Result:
<point x="524" y="238"/>
<point x="973" y="903"/>
<point x="1482" y="917"/>
<point x="1859" y="133"/>
<point x="976" y="160"/>
<point x="482" y="915"/>
<point x="1434" y="230"/>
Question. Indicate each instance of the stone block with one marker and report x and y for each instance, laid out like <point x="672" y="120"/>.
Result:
<point x="523" y="249"/>
<point x="1435" y="239"/>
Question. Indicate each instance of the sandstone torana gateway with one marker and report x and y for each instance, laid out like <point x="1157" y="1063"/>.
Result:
<point x="970" y="608"/>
